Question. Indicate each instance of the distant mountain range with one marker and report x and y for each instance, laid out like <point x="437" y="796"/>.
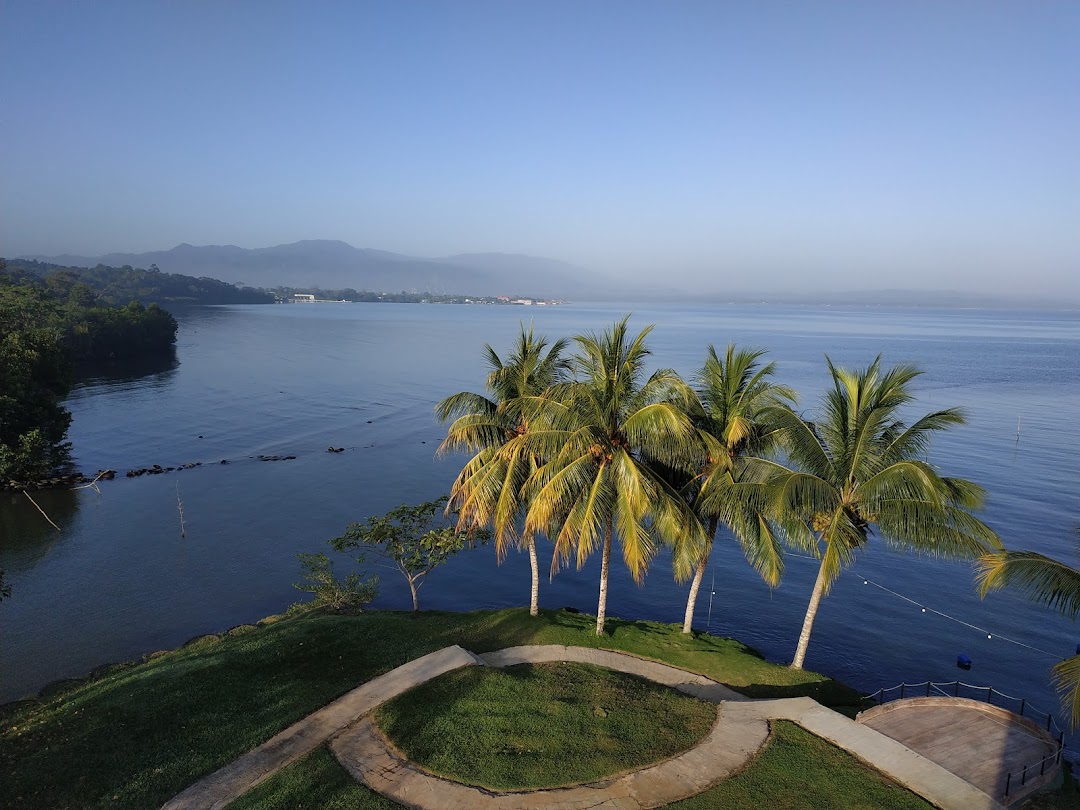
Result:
<point x="334" y="265"/>
<point x="331" y="264"/>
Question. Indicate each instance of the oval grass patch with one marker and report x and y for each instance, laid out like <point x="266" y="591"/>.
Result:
<point x="542" y="725"/>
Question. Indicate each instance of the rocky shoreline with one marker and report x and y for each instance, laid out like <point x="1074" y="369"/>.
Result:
<point x="77" y="479"/>
<point x="56" y="482"/>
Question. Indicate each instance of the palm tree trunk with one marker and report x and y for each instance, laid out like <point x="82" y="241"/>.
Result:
<point x="691" y="600"/>
<point x="534" y="600"/>
<point x="601" y="608"/>
<point x="808" y="622"/>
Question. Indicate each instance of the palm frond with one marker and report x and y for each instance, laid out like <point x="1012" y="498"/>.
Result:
<point x="464" y="402"/>
<point x="1041" y="579"/>
<point x="842" y="538"/>
<point x="1067" y="681"/>
<point x="932" y="528"/>
<point x="800" y="441"/>
<point x="914" y="441"/>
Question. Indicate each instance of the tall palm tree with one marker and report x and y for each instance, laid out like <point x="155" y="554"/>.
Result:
<point x="599" y="429"/>
<point x="488" y="490"/>
<point x="1044" y="581"/>
<point x="736" y="395"/>
<point x="859" y="471"/>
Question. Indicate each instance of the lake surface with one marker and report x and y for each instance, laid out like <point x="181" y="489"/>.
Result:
<point x="119" y="580"/>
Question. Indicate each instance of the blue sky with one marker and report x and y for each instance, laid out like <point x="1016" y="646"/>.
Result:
<point x="749" y="145"/>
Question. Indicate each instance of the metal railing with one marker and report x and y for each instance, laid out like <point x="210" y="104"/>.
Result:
<point x="992" y="696"/>
<point x="1029" y="770"/>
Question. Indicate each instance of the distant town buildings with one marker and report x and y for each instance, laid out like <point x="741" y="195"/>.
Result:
<point x="287" y="296"/>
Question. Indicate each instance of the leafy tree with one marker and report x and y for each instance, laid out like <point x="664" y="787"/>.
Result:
<point x="859" y="471"/>
<point x="488" y="490"/>
<point x="5" y="590"/>
<point x="737" y="394"/>
<point x="45" y="328"/>
<point x="1044" y="581"/>
<point x="413" y="540"/>
<point x="350" y="594"/>
<point x="34" y="377"/>
<point x="119" y="333"/>
<point x="597" y="432"/>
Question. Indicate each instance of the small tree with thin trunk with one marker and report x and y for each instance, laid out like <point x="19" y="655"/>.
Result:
<point x="412" y="540"/>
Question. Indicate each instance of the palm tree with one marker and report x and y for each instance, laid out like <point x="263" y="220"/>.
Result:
<point x="1044" y="581"/>
<point x="859" y="471"/>
<point x="488" y="489"/>
<point x="599" y="430"/>
<point x="736" y="396"/>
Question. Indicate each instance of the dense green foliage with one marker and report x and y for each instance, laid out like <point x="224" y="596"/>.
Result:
<point x="413" y="540"/>
<point x="46" y="328"/>
<point x="144" y="732"/>
<point x="120" y="285"/>
<point x="35" y="374"/>
<point x="349" y="594"/>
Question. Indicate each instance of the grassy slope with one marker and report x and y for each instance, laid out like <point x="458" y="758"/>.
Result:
<point x="138" y="736"/>
<point x="795" y="771"/>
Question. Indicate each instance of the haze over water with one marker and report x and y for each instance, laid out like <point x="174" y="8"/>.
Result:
<point x="119" y="581"/>
<point x="701" y="147"/>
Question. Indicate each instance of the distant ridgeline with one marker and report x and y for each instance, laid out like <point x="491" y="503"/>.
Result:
<point x="120" y="285"/>
<point x="48" y="326"/>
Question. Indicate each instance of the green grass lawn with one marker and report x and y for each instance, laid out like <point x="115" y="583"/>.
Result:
<point x="142" y="733"/>
<point x="798" y="770"/>
<point x="541" y="726"/>
<point x="795" y="771"/>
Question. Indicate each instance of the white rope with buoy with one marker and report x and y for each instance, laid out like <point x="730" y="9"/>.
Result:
<point x="927" y="609"/>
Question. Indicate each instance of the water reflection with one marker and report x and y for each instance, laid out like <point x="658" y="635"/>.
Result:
<point x="25" y="535"/>
<point x="151" y="371"/>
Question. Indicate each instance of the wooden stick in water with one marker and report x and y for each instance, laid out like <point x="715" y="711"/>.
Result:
<point x="27" y="494"/>
<point x="180" y="509"/>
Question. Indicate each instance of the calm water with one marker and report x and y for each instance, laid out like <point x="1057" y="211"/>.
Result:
<point x="119" y="581"/>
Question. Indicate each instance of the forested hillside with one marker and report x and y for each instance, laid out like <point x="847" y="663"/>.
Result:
<point x="121" y="285"/>
<point x="47" y="327"/>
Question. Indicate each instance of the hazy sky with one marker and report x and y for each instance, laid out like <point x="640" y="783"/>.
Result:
<point x="752" y="145"/>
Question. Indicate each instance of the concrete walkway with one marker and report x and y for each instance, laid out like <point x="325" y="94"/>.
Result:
<point x="724" y="751"/>
<point x="238" y="777"/>
<point x="739" y="732"/>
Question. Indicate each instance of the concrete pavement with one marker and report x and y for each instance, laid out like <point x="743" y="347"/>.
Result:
<point x="740" y="731"/>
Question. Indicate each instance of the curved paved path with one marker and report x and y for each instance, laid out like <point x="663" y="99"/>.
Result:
<point x="740" y="730"/>
<point x="724" y="751"/>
